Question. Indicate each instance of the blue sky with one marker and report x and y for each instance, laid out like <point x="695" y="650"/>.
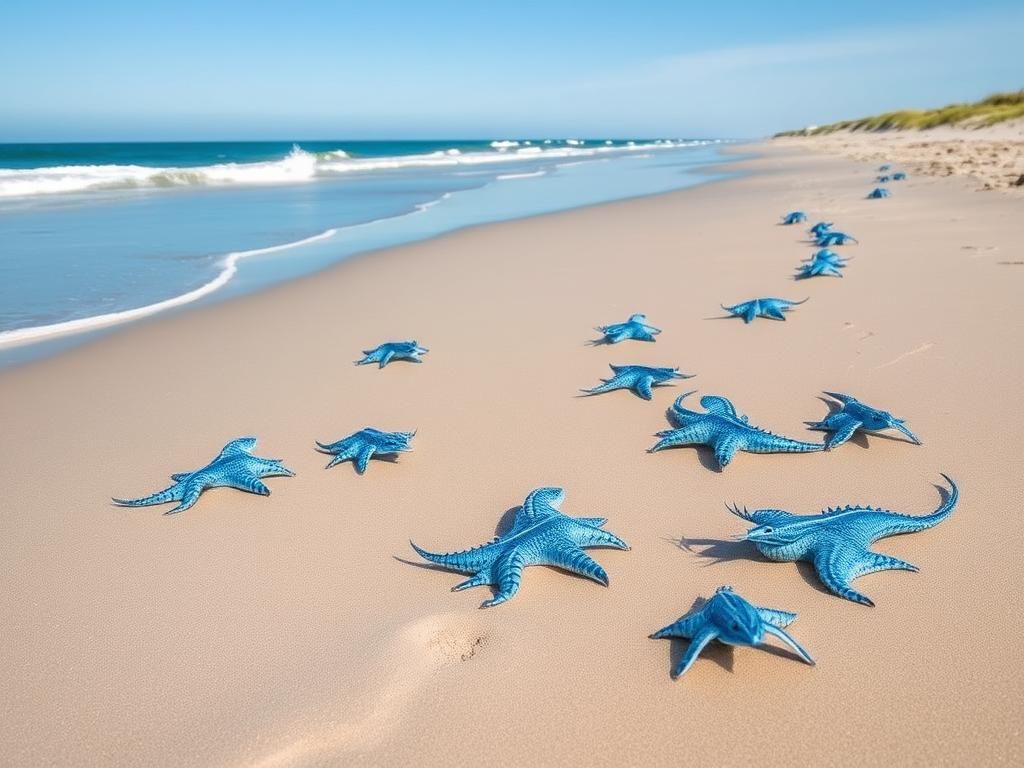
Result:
<point x="103" y="70"/>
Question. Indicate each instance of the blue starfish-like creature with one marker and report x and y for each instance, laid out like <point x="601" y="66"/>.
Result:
<point x="796" y="217"/>
<point x="831" y="237"/>
<point x="540" y="535"/>
<point x="393" y="350"/>
<point x="878" y="193"/>
<point x="855" y="415"/>
<point x="763" y="307"/>
<point x="363" y="445"/>
<point x="820" y="228"/>
<point x="723" y="430"/>
<point x="729" y="619"/>
<point x="639" y="378"/>
<point x="234" y="467"/>
<point x="899" y="176"/>
<point x="824" y="262"/>
<point x="837" y="541"/>
<point x="635" y="327"/>
<point x="881" y="179"/>
<point x="883" y="168"/>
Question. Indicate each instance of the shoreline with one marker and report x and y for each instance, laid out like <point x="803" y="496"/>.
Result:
<point x="297" y="629"/>
<point x="30" y="339"/>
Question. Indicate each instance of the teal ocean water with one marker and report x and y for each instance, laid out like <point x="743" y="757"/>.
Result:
<point x="93" y="236"/>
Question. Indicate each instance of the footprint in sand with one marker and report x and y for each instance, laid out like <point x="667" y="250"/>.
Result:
<point x="404" y="664"/>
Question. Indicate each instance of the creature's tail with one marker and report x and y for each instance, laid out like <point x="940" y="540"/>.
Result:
<point x="467" y="561"/>
<point x="161" y="497"/>
<point x="913" y="524"/>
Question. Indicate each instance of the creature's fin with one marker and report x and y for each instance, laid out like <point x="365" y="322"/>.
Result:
<point x="844" y="399"/>
<point x="473" y="581"/>
<point x="597" y="522"/>
<point x="773" y="312"/>
<point x="832" y="564"/>
<point x="579" y="562"/>
<point x="385" y="359"/>
<point x="873" y="561"/>
<point x="687" y="626"/>
<point x="725" y="448"/>
<point x="508" y="575"/>
<point x="174" y="493"/>
<point x="788" y="640"/>
<point x="362" y="460"/>
<point x="190" y="497"/>
<point x="842" y="427"/>
<point x="750" y="312"/>
<point x="643" y="387"/>
<point x="718" y="405"/>
<point x="697" y="644"/>
<point x="179" y="476"/>
<point x="239" y="447"/>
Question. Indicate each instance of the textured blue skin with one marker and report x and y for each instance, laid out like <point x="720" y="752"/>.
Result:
<point x="540" y="535"/>
<point x="855" y="416"/>
<point x="639" y="378"/>
<point x="824" y="262"/>
<point x="899" y="176"/>
<point x="393" y="350"/>
<point x="837" y="541"/>
<point x="878" y="193"/>
<point x="634" y="328"/>
<point x="834" y="238"/>
<point x="820" y="228"/>
<point x="234" y="467"/>
<point x="361" y="446"/>
<point x="723" y="430"/>
<point x="796" y="217"/>
<point x="763" y="307"/>
<point x="882" y="179"/>
<point x="729" y="619"/>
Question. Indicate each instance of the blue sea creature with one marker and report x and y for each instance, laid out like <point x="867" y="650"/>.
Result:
<point x="837" y="540"/>
<point x="855" y="415"/>
<point x="234" y="467"/>
<point x="763" y="307"/>
<point x="834" y="238"/>
<point x="723" y="430"/>
<point x="820" y="228"/>
<point x="825" y="262"/>
<point x="881" y="179"/>
<point x="361" y="446"/>
<point x="794" y="218"/>
<point x="883" y="168"/>
<point x="634" y="328"/>
<point x="540" y="535"/>
<point x="393" y="350"/>
<point x="639" y="378"/>
<point x="729" y="619"/>
<point x="878" y="193"/>
<point x="899" y="176"/>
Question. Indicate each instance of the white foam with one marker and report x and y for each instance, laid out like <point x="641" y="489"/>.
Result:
<point x="506" y="176"/>
<point x="229" y="266"/>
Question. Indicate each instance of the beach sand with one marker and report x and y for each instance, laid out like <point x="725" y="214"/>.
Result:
<point x="300" y="629"/>
<point x="991" y="158"/>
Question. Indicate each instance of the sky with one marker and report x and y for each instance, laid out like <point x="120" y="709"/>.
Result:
<point x="230" y="69"/>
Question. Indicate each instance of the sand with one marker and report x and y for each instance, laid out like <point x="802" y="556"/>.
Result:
<point x="299" y="630"/>
<point x="991" y="158"/>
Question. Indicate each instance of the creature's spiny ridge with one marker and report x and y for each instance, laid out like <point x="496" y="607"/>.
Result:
<point x="636" y="327"/>
<point x="853" y="416"/>
<point x="234" y="467"/>
<point x="729" y="619"/>
<point x="540" y="535"/>
<point x="361" y="446"/>
<point x="639" y="378"/>
<point x="763" y="307"/>
<point x="724" y="430"/>
<point x="390" y="351"/>
<point x="837" y="541"/>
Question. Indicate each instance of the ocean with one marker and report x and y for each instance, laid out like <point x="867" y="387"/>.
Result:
<point x="93" y="236"/>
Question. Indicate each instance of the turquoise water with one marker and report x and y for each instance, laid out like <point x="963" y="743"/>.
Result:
<point x="98" y="235"/>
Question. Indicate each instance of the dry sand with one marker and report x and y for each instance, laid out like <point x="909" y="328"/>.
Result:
<point x="991" y="158"/>
<point x="290" y="630"/>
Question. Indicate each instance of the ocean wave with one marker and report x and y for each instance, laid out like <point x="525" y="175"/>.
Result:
<point x="298" y="166"/>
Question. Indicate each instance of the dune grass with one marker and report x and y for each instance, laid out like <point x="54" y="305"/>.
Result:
<point x="996" y="108"/>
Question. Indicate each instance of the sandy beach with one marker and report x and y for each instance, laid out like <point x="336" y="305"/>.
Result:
<point x="301" y="629"/>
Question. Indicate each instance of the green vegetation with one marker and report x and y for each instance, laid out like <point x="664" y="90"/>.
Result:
<point x="989" y="111"/>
